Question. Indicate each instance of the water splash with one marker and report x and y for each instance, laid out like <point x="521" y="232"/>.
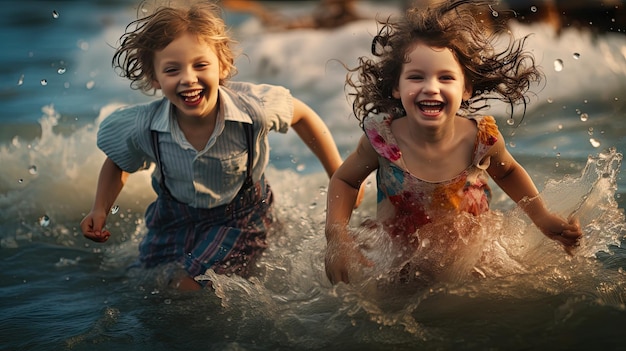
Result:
<point x="558" y="65"/>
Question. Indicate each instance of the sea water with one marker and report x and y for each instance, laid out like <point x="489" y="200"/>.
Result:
<point x="505" y="287"/>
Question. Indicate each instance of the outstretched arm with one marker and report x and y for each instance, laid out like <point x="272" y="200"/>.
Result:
<point x="315" y="134"/>
<point x="343" y="192"/>
<point x="110" y="183"/>
<point x="518" y="185"/>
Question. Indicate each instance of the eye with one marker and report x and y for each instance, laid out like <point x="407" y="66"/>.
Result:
<point x="415" y="77"/>
<point x="202" y="65"/>
<point x="447" y="77"/>
<point x="170" y="70"/>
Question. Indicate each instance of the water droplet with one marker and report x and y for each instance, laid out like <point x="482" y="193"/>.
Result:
<point x="32" y="169"/>
<point x="558" y="65"/>
<point x="115" y="209"/>
<point x="560" y="126"/>
<point x="594" y="142"/>
<point x="584" y="117"/>
<point x="61" y="70"/>
<point x="510" y="121"/>
<point x="300" y="167"/>
<point x="550" y="100"/>
<point x="21" y="80"/>
<point x="533" y="8"/>
<point x="55" y="14"/>
<point x="83" y="45"/>
<point x="20" y="180"/>
<point x="90" y="84"/>
<point x="576" y="56"/>
<point x="323" y="190"/>
<point x="44" y="82"/>
<point x="512" y="144"/>
<point x="312" y="205"/>
<point x="44" y="221"/>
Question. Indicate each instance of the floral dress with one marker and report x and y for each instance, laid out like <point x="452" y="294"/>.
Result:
<point x="405" y="202"/>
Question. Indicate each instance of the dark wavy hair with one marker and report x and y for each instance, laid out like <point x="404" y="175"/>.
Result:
<point x="134" y="58"/>
<point x="504" y="74"/>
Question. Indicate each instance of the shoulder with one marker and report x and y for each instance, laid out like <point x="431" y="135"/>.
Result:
<point x="272" y="106"/>
<point x="133" y="123"/>
<point x="488" y="133"/>
<point x="377" y="128"/>
<point x="140" y="113"/>
<point x="256" y="91"/>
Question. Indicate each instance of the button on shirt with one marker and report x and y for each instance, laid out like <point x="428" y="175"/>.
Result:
<point x="210" y="177"/>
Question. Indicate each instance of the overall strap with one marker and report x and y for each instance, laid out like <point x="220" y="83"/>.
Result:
<point x="157" y="156"/>
<point x="248" y="182"/>
<point x="248" y="128"/>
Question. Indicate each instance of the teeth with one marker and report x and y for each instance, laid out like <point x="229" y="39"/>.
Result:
<point x="431" y="103"/>
<point x="191" y="93"/>
<point x="431" y="106"/>
<point x="191" y="96"/>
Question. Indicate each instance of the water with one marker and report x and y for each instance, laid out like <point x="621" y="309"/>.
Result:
<point x="59" y="291"/>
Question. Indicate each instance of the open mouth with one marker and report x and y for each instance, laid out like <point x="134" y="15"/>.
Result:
<point x="191" y="96"/>
<point x="431" y="107"/>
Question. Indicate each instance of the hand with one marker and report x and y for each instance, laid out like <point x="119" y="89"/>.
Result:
<point x="340" y="252"/>
<point x="92" y="226"/>
<point x="568" y="233"/>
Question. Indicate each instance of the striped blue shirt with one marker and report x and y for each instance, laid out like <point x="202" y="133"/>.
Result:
<point x="213" y="176"/>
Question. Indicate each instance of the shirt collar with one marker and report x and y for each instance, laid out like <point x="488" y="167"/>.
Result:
<point x="232" y="107"/>
<point x="162" y="115"/>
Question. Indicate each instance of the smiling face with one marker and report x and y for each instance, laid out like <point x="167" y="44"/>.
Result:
<point x="431" y="86"/>
<point x="188" y="73"/>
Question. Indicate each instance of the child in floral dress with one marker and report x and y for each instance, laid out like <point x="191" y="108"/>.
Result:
<point x="432" y="151"/>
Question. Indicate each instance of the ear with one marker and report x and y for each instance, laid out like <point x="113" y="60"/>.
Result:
<point x="155" y="84"/>
<point x="224" y="74"/>
<point x="395" y="93"/>
<point x="467" y="93"/>
<point x="224" y="70"/>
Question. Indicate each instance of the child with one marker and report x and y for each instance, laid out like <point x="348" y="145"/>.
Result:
<point x="209" y="140"/>
<point x="432" y="157"/>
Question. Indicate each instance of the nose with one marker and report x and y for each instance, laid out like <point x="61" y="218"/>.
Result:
<point x="188" y="77"/>
<point x="431" y="86"/>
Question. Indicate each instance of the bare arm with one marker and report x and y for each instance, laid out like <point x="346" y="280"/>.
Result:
<point x="315" y="134"/>
<point x="343" y="192"/>
<point x="110" y="184"/>
<point x="518" y="185"/>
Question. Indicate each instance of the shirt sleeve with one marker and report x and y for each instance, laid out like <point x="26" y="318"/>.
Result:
<point x="121" y="136"/>
<point x="275" y="105"/>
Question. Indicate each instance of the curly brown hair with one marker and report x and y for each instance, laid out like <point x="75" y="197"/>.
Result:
<point x="134" y="58"/>
<point x="504" y="74"/>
